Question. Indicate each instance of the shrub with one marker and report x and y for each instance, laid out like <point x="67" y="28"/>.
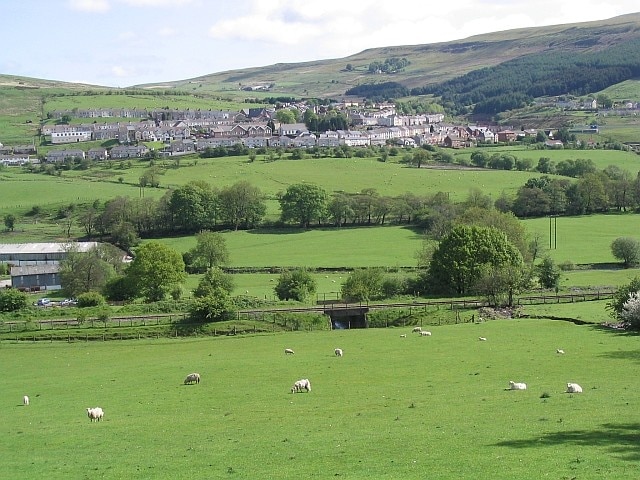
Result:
<point x="363" y="285"/>
<point x="620" y="298"/>
<point x="90" y="299"/>
<point x="12" y="300"/>
<point x="295" y="285"/>
<point x="216" y="307"/>
<point x="393" y="286"/>
<point x="626" y="250"/>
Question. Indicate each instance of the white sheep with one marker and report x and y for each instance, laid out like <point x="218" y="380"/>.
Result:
<point x="95" y="413"/>
<point x="192" y="378"/>
<point x="299" y="385"/>
<point x="25" y="400"/>
<point x="288" y="351"/>
<point x="425" y="333"/>
<point x="517" y="385"/>
<point x="560" y="351"/>
<point x="574" y="388"/>
<point x="482" y="339"/>
<point x="416" y="330"/>
<point x="338" y="352"/>
<point x="404" y="335"/>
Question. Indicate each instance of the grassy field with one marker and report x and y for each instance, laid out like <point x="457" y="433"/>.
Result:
<point x="415" y="407"/>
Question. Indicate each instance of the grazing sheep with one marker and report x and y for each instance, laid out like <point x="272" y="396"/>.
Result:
<point x="425" y="333"/>
<point x="95" y="413"/>
<point x="192" y="378"/>
<point x="416" y="329"/>
<point x="482" y="339"/>
<point x="25" y="400"/>
<point x="574" y="388"/>
<point x="560" y="351"/>
<point x="338" y="352"/>
<point x="300" y="385"/>
<point x="404" y="335"/>
<point x="288" y="351"/>
<point x="517" y="386"/>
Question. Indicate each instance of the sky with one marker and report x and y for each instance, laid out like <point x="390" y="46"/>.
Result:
<point x="120" y="43"/>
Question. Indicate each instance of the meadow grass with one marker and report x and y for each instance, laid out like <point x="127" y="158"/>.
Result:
<point x="582" y="239"/>
<point x="415" y="407"/>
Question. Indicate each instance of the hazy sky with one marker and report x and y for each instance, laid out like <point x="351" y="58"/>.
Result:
<point x="127" y="42"/>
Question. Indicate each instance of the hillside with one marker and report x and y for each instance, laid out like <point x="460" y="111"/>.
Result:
<point x="428" y="64"/>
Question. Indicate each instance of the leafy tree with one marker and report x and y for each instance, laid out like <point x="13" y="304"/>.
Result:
<point x="194" y="206"/>
<point x="10" y="221"/>
<point x="303" y="203"/>
<point x="499" y="284"/>
<point x="155" y="270"/>
<point x="548" y="273"/>
<point x="363" y="285"/>
<point x="419" y="157"/>
<point x="210" y="251"/>
<point x="12" y="300"/>
<point x="458" y="261"/>
<point x="286" y="116"/>
<point x="627" y="250"/>
<point x="216" y="307"/>
<point x="212" y="281"/>
<point x="125" y="236"/>
<point x="296" y="284"/>
<point x="88" y="271"/>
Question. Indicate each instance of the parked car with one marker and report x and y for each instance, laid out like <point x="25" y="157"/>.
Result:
<point x="43" y="302"/>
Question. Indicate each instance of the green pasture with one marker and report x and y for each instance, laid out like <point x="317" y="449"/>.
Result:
<point x="391" y="407"/>
<point x="141" y="102"/>
<point x="594" y="311"/>
<point x="334" y="248"/>
<point x="601" y="158"/>
<point x="583" y="239"/>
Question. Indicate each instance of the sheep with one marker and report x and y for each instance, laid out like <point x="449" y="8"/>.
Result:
<point x="299" y="385"/>
<point x="574" y="388"/>
<point x="338" y="352"/>
<point x="288" y="351"/>
<point x="416" y="329"/>
<point x="192" y="378"/>
<point x="25" y="400"/>
<point x="95" y="413"/>
<point x="482" y="339"/>
<point x="425" y="333"/>
<point x="404" y="335"/>
<point x="517" y="386"/>
<point x="560" y="351"/>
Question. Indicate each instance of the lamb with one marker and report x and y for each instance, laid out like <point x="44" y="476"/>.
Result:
<point x="416" y="329"/>
<point x="288" y="351"/>
<point x="338" y="352"/>
<point x="192" y="378"/>
<point x="517" y="386"/>
<point x="25" y="400"/>
<point x="482" y="339"/>
<point x="560" y="351"/>
<point x="574" y="388"/>
<point x="425" y="333"/>
<point x="300" y="385"/>
<point x="404" y="335"/>
<point x="95" y="413"/>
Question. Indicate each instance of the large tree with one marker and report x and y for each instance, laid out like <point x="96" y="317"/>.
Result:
<point x="303" y="203"/>
<point x="194" y="206"/>
<point x="627" y="250"/>
<point x="463" y="256"/>
<point x="242" y="204"/>
<point x="82" y="272"/>
<point x="210" y="251"/>
<point x="155" y="270"/>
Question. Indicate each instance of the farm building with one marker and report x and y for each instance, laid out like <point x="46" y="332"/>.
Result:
<point x="26" y="254"/>
<point x="33" y="278"/>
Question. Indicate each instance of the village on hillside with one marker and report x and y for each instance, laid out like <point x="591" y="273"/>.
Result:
<point x="191" y="131"/>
